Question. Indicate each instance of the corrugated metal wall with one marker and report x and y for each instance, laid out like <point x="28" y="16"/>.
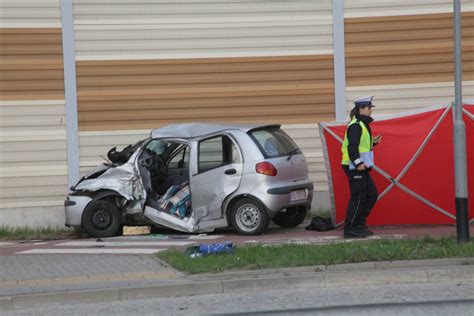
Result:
<point x="142" y="64"/>
<point x="33" y="167"/>
<point x="401" y="98"/>
<point x="373" y="8"/>
<point x="30" y="14"/>
<point x="403" y="53"/>
<point x="147" y="94"/>
<point x="95" y="145"/>
<point x="158" y="29"/>
<point x="158" y="62"/>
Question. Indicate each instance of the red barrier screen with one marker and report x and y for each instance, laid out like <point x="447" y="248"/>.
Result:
<point x="414" y="167"/>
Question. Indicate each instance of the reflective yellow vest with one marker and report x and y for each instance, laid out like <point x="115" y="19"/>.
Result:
<point x="365" y="147"/>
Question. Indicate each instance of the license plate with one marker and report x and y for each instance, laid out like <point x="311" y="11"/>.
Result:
<point x="298" y="195"/>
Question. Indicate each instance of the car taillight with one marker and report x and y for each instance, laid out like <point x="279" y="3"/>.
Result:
<point x="266" y="168"/>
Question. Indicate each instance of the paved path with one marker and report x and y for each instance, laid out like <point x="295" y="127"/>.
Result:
<point x="460" y="271"/>
<point x="137" y="245"/>
<point x="50" y="271"/>
<point x="151" y="244"/>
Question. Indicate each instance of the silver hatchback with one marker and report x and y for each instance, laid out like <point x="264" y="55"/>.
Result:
<point x="195" y="178"/>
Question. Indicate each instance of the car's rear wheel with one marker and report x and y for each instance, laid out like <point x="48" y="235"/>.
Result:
<point x="292" y="217"/>
<point x="249" y="217"/>
<point x="101" y="219"/>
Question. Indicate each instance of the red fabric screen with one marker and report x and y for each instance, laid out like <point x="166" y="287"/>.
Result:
<point x="425" y="191"/>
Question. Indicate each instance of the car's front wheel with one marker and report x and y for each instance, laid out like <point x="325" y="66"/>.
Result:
<point x="101" y="219"/>
<point x="292" y="217"/>
<point x="249" y="217"/>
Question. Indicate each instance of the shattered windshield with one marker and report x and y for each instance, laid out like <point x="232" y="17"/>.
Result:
<point x="157" y="146"/>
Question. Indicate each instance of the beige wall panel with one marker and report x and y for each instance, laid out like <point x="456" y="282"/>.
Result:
<point x="32" y="118"/>
<point x="40" y="204"/>
<point x="95" y="145"/>
<point x="369" y="8"/>
<point x="405" y="49"/>
<point x="31" y="64"/>
<point x="19" y="182"/>
<point x="33" y="156"/>
<point x="33" y="191"/>
<point x="400" y="98"/>
<point x="117" y="95"/>
<point x="163" y="29"/>
<point x="30" y="13"/>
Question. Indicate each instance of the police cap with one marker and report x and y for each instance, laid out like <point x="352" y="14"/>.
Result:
<point x="365" y="101"/>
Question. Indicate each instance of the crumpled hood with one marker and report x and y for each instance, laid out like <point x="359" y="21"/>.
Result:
<point x="123" y="179"/>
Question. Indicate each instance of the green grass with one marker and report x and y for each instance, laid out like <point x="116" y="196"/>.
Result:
<point x="262" y="257"/>
<point x="28" y="233"/>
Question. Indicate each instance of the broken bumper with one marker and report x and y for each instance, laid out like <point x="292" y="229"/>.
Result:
<point x="74" y="207"/>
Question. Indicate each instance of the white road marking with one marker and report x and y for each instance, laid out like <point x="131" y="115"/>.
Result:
<point x="164" y="237"/>
<point x="124" y="243"/>
<point x="204" y="237"/>
<point x="130" y="251"/>
<point x="5" y="244"/>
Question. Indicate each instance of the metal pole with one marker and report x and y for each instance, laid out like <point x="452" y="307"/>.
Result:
<point x="460" y="165"/>
<point x="339" y="59"/>
<point x="70" y="93"/>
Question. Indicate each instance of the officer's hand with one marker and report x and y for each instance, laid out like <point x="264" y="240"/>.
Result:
<point x="377" y="139"/>
<point x="361" y="167"/>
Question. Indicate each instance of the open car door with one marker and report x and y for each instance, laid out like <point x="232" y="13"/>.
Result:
<point x="219" y="171"/>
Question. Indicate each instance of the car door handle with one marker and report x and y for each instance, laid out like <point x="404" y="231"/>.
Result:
<point x="230" y="171"/>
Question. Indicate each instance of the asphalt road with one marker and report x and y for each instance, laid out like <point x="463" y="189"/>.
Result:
<point x="401" y="299"/>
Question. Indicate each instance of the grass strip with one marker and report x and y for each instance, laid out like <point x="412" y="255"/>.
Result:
<point x="28" y="233"/>
<point x="264" y="257"/>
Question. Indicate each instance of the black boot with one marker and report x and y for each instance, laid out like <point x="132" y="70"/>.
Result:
<point x="354" y="232"/>
<point x="363" y="226"/>
<point x="367" y="231"/>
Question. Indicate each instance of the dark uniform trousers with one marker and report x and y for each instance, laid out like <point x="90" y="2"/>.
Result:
<point x="363" y="197"/>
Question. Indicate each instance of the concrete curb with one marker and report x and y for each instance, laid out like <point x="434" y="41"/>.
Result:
<point x="88" y="279"/>
<point x="382" y="265"/>
<point x="370" y="273"/>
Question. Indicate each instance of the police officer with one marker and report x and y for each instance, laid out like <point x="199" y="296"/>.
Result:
<point x="357" y="162"/>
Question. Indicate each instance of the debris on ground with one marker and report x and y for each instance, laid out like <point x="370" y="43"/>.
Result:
<point x="136" y="230"/>
<point x="204" y="249"/>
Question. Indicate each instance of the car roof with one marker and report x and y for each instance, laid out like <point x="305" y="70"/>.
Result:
<point x="193" y="130"/>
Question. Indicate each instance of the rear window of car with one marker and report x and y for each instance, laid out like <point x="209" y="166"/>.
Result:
<point x="274" y="142"/>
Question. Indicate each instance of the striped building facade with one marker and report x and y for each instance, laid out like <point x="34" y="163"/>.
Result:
<point x="79" y="77"/>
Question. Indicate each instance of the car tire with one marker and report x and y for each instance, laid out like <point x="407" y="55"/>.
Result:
<point x="292" y="217"/>
<point x="249" y="217"/>
<point x="101" y="219"/>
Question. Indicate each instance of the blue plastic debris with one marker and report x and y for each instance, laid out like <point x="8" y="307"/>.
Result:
<point x="204" y="250"/>
<point x="226" y="247"/>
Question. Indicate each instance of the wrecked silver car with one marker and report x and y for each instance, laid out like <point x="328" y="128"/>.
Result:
<point x="195" y="178"/>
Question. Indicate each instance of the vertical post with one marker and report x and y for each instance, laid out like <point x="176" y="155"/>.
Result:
<point x="460" y="165"/>
<point x="70" y="94"/>
<point x="339" y="59"/>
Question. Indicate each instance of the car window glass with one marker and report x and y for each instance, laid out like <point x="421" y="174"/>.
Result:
<point x="180" y="160"/>
<point x="235" y="154"/>
<point x="157" y="146"/>
<point x="273" y="142"/>
<point x="216" y="152"/>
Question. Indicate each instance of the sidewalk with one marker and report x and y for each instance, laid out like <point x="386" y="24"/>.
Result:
<point x="167" y="282"/>
<point x="28" y="280"/>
